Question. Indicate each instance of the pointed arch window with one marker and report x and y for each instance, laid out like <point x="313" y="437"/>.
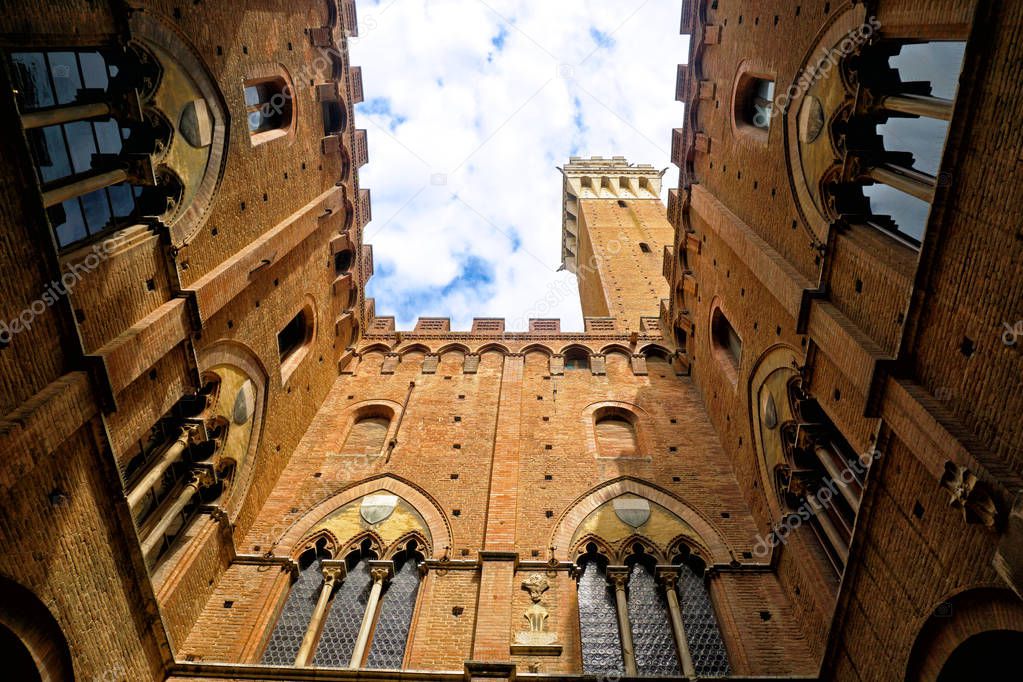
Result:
<point x="601" y="644"/>
<point x="651" y="625"/>
<point x="702" y="633"/>
<point x="354" y="613"/>
<point x="577" y="358"/>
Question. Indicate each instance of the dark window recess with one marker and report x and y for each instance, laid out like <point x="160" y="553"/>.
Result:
<point x="343" y="261"/>
<point x="291" y="338"/>
<point x="268" y="103"/>
<point x="644" y="247"/>
<point x="726" y="338"/>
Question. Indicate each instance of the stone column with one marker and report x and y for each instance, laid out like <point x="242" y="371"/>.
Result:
<point x="157" y="470"/>
<point x="333" y="574"/>
<point x="381" y="572"/>
<point x="619" y="577"/>
<point x="201" y="478"/>
<point x="668" y="577"/>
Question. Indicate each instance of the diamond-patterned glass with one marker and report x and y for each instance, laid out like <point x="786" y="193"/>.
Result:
<point x="651" y="625"/>
<point x="298" y="610"/>
<point x="396" y="606"/>
<point x="602" y="649"/>
<point x="702" y="633"/>
<point x="341" y="626"/>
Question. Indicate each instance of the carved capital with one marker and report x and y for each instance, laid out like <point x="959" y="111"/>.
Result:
<point x="202" y="478"/>
<point x="381" y="571"/>
<point x="333" y="571"/>
<point x="667" y="576"/>
<point x="618" y="576"/>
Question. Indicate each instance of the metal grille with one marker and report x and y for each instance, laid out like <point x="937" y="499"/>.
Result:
<point x="602" y="649"/>
<point x="702" y="633"/>
<point x="341" y="626"/>
<point x="396" y="606"/>
<point x="651" y="625"/>
<point x="298" y="610"/>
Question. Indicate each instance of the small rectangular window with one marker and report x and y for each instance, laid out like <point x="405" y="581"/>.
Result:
<point x="268" y="106"/>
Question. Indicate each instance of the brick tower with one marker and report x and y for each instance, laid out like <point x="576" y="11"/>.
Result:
<point x="614" y="231"/>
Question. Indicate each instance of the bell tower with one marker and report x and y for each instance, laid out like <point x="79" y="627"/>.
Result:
<point x="614" y="230"/>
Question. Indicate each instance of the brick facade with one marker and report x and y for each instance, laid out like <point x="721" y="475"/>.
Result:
<point x="750" y="278"/>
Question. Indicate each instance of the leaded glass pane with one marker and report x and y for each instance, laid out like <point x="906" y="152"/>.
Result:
<point x="33" y="78"/>
<point x="68" y="222"/>
<point x="702" y="633"/>
<point x="598" y="623"/>
<point x="341" y="626"/>
<point x="397" y="604"/>
<point x="294" y="620"/>
<point x="651" y="625"/>
<point x="66" y="81"/>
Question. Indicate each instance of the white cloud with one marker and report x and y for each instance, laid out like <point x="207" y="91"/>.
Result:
<point x="474" y="93"/>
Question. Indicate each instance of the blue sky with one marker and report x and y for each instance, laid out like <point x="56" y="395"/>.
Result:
<point x="470" y="107"/>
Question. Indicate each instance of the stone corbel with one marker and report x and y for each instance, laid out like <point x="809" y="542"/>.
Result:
<point x="970" y="495"/>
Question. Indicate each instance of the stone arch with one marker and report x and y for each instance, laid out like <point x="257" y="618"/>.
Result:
<point x="454" y="348"/>
<point x="413" y="348"/>
<point x="537" y="348"/>
<point x="232" y="353"/>
<point x="493" y="348"/>
<point x="708" y="535"/>
<point x="656" y="349"/>
<point x="355" y="543"/>
<point x="400" y="544"/>
<point x="36" y="633"/>
<point x="779" y="357"/>
<point x="152" y="30"/>
<point x="625" y="549"/>
<point x="616" y="348"/>
<point x="956" y="619"/>
<point x="374" y="348"/>
<point x="577" y="347"/>
<point x="436" y="522"/>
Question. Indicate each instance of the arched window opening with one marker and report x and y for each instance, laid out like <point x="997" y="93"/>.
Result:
<point x="598" y="624"/>
<point x="268" y="103"/>
<point x="703" y="635"/>
<point x="290" y="630"/>
<point x="652" y="636"/>
<point x="343" y="261"/>
<point x="754" y="107"/>
<point x="293" y="341"/>
<point x="367" y="435"/>
<point x="983" y="656"/>
<point x="341" y="626"/>
<point x="577" y="358"/>
<point x="390" y="637"/>
<point x="18" y="661"/>
<point x="616" y="433"/>
<point x="895" y="136"/>
<point x="81" y="140"/>
<point x="727" y="344"/>
<point x="822" y="477"/>
<point x="334" y="118"/>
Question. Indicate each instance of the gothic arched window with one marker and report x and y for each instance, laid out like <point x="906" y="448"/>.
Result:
<point x="390" y="637"/>
<point x="652" y="636"/>
<point x="577" y="358"/>
<point x="601" y="644"/>
<point x="699" y="622"/>
<point x="291" y="625"/>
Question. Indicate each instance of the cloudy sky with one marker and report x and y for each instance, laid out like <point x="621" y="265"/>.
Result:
<point x="470" y="107"/>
